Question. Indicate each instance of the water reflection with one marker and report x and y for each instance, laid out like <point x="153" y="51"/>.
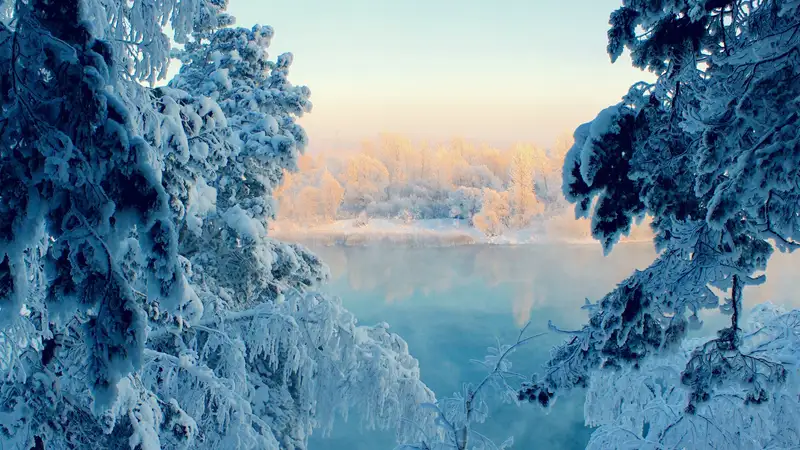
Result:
<point x="534" y="274"/>
<point x="451" y="303"/>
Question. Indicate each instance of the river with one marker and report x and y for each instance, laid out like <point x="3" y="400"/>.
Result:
<point x="451" y="303"/>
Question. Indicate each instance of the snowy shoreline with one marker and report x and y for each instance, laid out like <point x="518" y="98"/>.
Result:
<point x="421" y="233"/>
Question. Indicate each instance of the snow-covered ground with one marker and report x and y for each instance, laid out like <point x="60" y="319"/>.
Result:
<point x="426" y="232"/>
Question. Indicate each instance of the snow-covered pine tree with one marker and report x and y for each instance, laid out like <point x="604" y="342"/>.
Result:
<point x="142" y="304"/>
<point x="78" y="182"/>
<point x="231" y="69"/>
<point x="711" y="152"/>
<point x="302" y="356"/>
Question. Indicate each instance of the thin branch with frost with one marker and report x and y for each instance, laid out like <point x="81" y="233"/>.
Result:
<point x="456" y="415"/>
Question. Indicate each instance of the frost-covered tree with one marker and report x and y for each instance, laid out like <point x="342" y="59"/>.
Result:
<point x="549" y="184"/>
<point x="643" y="408"/>
<point x="308" y="205"/>
<point x="396" y="154"/>
<point x="143" y="305"/>
<point x="332" y="195"/>
<point x="81" y="187"/>
<point x="366" y="180"/>
<point x="299" y="355"/>
<point x="710" y="151"/>
<point x="477" y="177"/>
<point x="465" y="202"/>
<point x="424" y="183"/>
<point x="313" y="195"/>
<point x="260" y="105"/>
<point x="522" y="189"/>
<point x="493" y="218"/>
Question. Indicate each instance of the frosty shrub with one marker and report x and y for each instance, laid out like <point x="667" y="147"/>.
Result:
<point x="643" y="408"/>
<point x="361" y="220"/>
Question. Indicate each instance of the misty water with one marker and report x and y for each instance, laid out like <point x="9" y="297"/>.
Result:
<point x="450" y="304"/>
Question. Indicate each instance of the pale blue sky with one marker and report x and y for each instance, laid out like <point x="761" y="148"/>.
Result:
<point x="496" y="71"/>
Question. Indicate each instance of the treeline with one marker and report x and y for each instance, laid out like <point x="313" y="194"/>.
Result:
<point x="394" y="177"/>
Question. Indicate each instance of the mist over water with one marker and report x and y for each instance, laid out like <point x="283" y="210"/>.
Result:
<point x="451" y="303"/>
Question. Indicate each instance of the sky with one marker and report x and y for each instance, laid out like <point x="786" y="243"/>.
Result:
<point x="497" y="72"/>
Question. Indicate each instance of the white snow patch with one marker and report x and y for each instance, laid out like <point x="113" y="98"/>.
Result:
<point x="202" y="200"/>
<point x="433" y="233"/>
<point x="238" y="219"/>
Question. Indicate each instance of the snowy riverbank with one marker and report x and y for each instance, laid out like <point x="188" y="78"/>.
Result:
<point x="429" y="233"/>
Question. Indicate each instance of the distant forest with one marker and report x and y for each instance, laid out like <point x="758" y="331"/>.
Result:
<point x="392" y="177"/>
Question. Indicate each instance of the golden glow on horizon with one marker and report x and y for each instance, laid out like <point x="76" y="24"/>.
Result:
<point x="498" y="123"/>
<point x="497" y="111"/>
